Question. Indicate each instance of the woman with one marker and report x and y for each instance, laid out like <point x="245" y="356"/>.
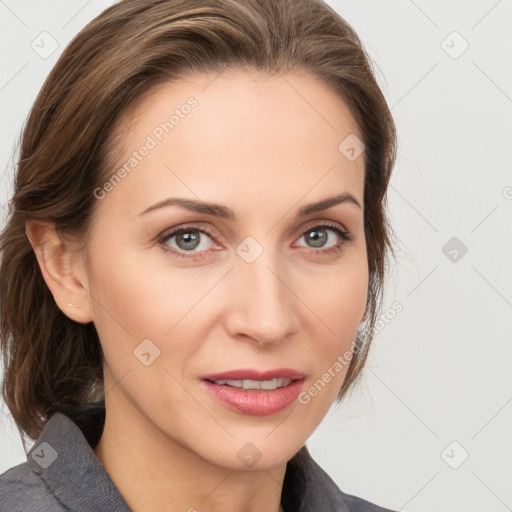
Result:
<point x="192" y="267"/>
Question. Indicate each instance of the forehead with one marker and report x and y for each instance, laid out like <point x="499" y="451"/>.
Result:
<point x="237" y="135"/>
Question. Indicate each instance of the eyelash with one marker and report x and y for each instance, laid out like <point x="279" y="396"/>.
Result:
<point x="344" y="235"/>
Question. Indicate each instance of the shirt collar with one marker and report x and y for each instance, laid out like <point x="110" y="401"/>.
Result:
<point x="63" y="457"/>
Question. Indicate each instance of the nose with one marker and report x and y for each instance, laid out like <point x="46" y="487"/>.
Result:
<point x="262" y="301"/>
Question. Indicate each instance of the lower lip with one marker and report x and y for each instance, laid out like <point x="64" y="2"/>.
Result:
<point x="255" y="401"/>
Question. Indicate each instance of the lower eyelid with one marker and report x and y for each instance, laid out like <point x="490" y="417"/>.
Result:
<point x="343" y="234"/>
<point x="167" y="236"/>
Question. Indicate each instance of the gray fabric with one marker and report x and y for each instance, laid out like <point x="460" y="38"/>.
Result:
<point x="62" y="473"/>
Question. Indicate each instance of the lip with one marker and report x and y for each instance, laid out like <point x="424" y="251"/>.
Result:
<point x="254" y="401"/>
<point x="252" y="374"/>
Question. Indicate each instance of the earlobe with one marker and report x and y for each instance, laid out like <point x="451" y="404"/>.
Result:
<point x="59" y="264"/>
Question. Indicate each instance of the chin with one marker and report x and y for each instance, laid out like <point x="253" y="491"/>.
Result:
<point x="254" y="453"/>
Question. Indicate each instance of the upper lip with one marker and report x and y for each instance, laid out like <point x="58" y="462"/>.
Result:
<point x="251" y="374"/>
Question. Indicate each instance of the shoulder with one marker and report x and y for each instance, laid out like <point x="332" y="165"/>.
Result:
<point x="62" y="473"/>
<point x="22" y="490"/>
<point x="351" y="503"/>
<point x="356" y="504"/>
<point x="308" y="488"/>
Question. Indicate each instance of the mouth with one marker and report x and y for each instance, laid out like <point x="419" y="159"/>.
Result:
<point x="253" y="392"/>
<point x="266" y="385"/>
<point x="255" y="375"/>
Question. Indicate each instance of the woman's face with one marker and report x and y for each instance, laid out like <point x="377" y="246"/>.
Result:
<point x="263" y="289"/>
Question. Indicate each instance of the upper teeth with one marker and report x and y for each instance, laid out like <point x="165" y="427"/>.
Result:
<point x="256" y="384"/>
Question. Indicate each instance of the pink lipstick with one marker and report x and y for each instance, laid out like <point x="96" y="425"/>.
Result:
<point x="255" y="392"/>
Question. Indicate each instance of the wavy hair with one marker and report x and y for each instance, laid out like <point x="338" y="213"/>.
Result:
<point x="54" y="364"/>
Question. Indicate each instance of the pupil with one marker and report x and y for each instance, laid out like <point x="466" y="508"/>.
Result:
<point x="190" y="240"/>
<point x="317" y="237"/>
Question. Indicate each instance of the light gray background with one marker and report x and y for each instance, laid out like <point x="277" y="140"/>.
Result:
<point x="439" y="371"/>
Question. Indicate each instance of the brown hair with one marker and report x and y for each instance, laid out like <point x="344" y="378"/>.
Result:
<point x="52" y="363"/>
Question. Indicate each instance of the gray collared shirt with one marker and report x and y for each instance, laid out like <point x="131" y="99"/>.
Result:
<point x="62" y="473"/>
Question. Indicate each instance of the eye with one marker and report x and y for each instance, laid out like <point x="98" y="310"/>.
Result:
<point x="318" y="236"/>
<point x="189" y="238"/>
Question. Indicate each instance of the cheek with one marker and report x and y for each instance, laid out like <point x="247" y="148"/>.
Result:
<point x="138" y="296"/>
<point x="137" y="292"/>
<point x="350" y="302"/>
<point x="338" y="311"/>
<point x="338" y="299"/>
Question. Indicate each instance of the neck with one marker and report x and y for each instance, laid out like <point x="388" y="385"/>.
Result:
<point x="154" y="472"/>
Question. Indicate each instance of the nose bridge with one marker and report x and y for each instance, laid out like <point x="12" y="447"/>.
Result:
<point x="263" y="306"/>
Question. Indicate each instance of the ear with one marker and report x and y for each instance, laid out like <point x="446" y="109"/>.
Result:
<point x="60" y="263"/>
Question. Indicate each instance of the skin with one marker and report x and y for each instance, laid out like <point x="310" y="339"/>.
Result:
<point x="262" y="146"/>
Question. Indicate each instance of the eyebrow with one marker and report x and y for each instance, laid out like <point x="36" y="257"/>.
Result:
<point x="224" y="212"/>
